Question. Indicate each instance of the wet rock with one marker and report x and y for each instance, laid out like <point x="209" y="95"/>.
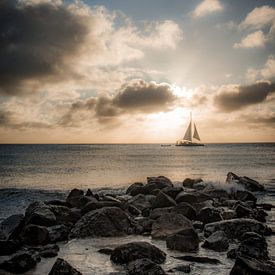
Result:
<point x="8" y="247"/>
<point x="40" y="214"/>
<point x="209" y="215"/>
<point x="157" y="212"/>
<point x="106" y="251"/>
<point x="217" y="193"/>
<point x="198" y="225"/>
<point x="249" y="184"/>
<point x="141" y="202"/>
<point x="186" y="210"/>
<point x="189" y="183"/>
<point x="231" y="254"/>
<point x="186" y="197"/>
<point x="90" y="206"/>
<point x="229" y="214"/>
<point x="259" y="215"/>
<point x="62" y="267"/>
<point x="136" y="188"/>
<point x="65" y="215"/>
<point x="235" y="228"/>
<point x="20" y="263"/>
<point x="11" y="226"/>
<point x="146" y="224"/>
<point x="137" y="250"/>
<point x="132" y="209"/>
<point x="144" y="266"/>
<point x="250" y="266"/>
<point x="217" y="241"/>
<point x="49" y="251"/>
<point x="186" y="240"/>
<point x="243" y="211"/>
<point x="35" y="235"/>
<point x="242" y="195"/>
<point x="58" y="233"/>
<point x="89" y="193"/>
<point x="160" y="182"/>
<point x="266" y="206"/>
<point x="198" y="259"/>
<point x="200" y="205"/>
<point x="105" y="222"/>
<point x="163" y="200"/>
<point x="169" y="224"/>
<point x="58" y="203"/>
<point x="181" y="268"/>
<point x="172" y="191"/>
<point x="77" y="199"/>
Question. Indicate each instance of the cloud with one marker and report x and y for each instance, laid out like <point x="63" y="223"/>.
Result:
<point x="137" y="96"/>
<point x="257" y="119"/>
<point x="235" y="97"/>
<point x="253" y="40"/>
<point x="206" y="7"/>
<point x="261" y="19"/>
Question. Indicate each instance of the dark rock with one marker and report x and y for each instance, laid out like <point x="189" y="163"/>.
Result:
<point x="259" y="215"/>
<point x="266" y="206"/>
<point x="20" y="263"/>
<point x="189" y="183"/>
<point x="58" y="233"/>
<point x="40" y="214"/>
<point x="242" y="195"/>
<point x="200" y="205"/>
<point x="186" y="210"/>
<point x="155" y="192"/>
<point x="250" y="266"/>
<point x="10" y="227"/>
<point x="75" y="193"/>
<point x="141" y="202"/>
<point x="133" y="210"/>
<point x="89" y="193"/>
<point x="159" y="182"/>
<point x="58" y="203"/>
<point x="231" y="254"/>
<point x="248" y="235"/>
<point x="61" y="267"/>
<point x="186" y="240"/>
<point x="172" y="191"/>
<point x="106" y="251"/>
<point x="8" y="247"/>
<point x="217" y="241"/>
<point x="105" y="222"/>
<point x="144" y="267"/>
<point x="65" y="215"/>
<point x="157" y="212"/>
<point x="235" y="228"/>
<point x="217" y="193"/>
<point x="81" y="201"/>
<point x="169" y="224"/>
<point x="209" y="215"/>
<point x="49" y="251"/>
<point x="198" y="225"/>
<point x="229" y="214"/>
<point x="146" y="224"/>
<point x="181" y="268"/>
<point x="197" y="259"/>
<point x="35" y="234"/>
<point x="249" y="184"/>
<point x="243" y="211"/>
<point x="137" y="250"/>
<point x="186" y="197"/>
<point x="163" y="200"/>
<point x="136" y="188"/>
<point x="97" y="205"/>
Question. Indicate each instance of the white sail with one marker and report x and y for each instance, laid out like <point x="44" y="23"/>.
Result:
<point x="196" y="133"/>
<point x="188" y="133"/>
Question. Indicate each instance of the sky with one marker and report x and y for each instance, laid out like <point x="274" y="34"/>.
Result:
<point x="132" y="71"/>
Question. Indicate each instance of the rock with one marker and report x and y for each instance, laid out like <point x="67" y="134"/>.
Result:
<point x="217" y="241"/>
<point x="10" y="227"/>
<point x="197" y="259"/>
<point x="65" y="215"/>
<point x="74" y="193"/>
<point x="144" y="267"/>
<point x="186" y="197"/>
<point x="20" y="263"/>
<point x="141" y="202"/>
<point x="266" y="206"/>
<point x="35" y="235"/>
<point x="61" y="267"/>
<point x="159" y="182"/>
<point x="163" y="200"/>
<point x="77" y="199"/>
<point x="90" y="206"/>
<point x="49" y="251"/>
<point x="58" y="233"/>
<point x="106" y="251"/>
<point x="217" y="193"/>
<point x="231" y="254"/>
<point x="157" y="212"/>
<point x="181" y="268"/>
<point x="186" y="240"/>
<point x="89" y="193"/>
<point x="242" y="195"/>
<point x="146" y="224"/>
<point x="200" y="205"/>
<point x="105" y="222"/>
<point x="229" y="214"/>
<point x="250" y="266"/>
<point x="249" y="184"/>
<point x="243" y="211"/>
<point x="132" y="210"/>
<point x="259" y="215"/>
<point x="9" y="247"/>
<point x="209" y="215"/>
<point x="186" y="210"/>
<point x="169" y="224"/>
<point x="58" y="203"/>
<point x="136" y="188"/>
<point x="40" y="214"/>
<point x="137" y="250"/>
<point x="172" y="191"/>
<point x="198" y="225"/>
<point x="190" y="182"/>
<point x="235" y="228"/>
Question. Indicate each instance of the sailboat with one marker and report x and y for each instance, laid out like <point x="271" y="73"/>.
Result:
<point x="191" y="136"/>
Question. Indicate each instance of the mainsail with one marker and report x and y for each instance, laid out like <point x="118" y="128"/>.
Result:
<point x="188" y="133"/>
<point x="196" y="133"/>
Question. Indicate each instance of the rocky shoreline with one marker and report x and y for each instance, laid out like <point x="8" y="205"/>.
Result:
<point x="187" y="218"/>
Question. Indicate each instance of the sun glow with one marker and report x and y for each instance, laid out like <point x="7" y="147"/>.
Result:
<point x="181" y="92"/>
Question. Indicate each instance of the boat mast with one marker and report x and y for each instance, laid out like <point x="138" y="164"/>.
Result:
<point x="191" y="126"/>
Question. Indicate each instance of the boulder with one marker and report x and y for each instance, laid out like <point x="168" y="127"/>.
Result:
<point x="35" y="235"/>
<point x="198" y="259"/>
<point x="10" y="227"/>
<point x="189" y="183"/>
<point x="169" y="224"/>
<point x="106" y="251"/>
<point x="186" y="197"/>
<point x="40" y="214"/>
<point x="235" y="228"/>
<point x="163" y="200"/>
<point x="105" y="222"/>
<point x="209" y="215"/>
<point x="250" y="266"/>
<point x="136" y="188"/>
<point x="186" y="210"/>
<point x="58" y="233"/>
<point x="145" y="267"/>
<point x="217" y="193"/>
<point x="141" y="202"/>
<point x="248" y="183"/>
<point x="58" y="203"/>
<point x="228" y="214"/>
<point x="90" y="206"/>
<point x="65" y="215"/>
<point x="181" y="268"/>
<point x="77" y="199"/>
<point x="146" y="224"/>
<point x="242" y="195"/>
<point x="62" y="267"/>
<point x="186" y="240"/>
<point x="243" y="211"/>
<point x="137" y="250"/>
<point x="217" y="241"/>
<point x="20" y="263"/>
<point x="48" y="251"/>
<point x="160" y="181"/>
<point x="172" y="191"/>
<point x="259" y="215"/>
<point x="157" y="212"/>
<point x="8" y="247"/>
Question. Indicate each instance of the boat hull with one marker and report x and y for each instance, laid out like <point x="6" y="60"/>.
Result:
<point x="191" y="144"/>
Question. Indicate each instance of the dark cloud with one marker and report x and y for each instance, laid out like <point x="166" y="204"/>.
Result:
<point x="259" y="119"/>
<point x="229" y="100"/>
<point x="35" y="42"/>
<point x="137" y="96"/>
